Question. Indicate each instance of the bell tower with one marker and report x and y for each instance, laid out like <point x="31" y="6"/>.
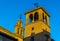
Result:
<point x="37" y="21"/>
<point x="19" y="28"/>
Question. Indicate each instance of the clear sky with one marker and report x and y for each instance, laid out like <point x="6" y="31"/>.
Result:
<point x="11" y="9"/>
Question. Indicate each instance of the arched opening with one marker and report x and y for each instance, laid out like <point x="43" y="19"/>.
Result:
<point x="44" y="18"/>
<point x="30" y="18"/>
<point x="36" y="16"/>
<point x="18" y="30"/>
<point x="21" y="32"/>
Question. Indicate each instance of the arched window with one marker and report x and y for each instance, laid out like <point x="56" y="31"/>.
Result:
<point x="30" y="18"/>
<point x="44" y="18"/>
<point x="36" y="16"/>
<point x="18" y="31"/>
<point x="21" y="32"/>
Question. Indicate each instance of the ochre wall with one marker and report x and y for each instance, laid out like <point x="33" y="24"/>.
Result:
<point x="39" y="25"/>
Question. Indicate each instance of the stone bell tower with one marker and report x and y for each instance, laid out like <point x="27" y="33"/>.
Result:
<point x="37" y="25"/>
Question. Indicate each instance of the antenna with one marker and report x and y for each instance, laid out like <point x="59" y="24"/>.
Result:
<point x="36" y="4"/>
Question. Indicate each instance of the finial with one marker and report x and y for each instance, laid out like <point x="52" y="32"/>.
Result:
<point x="20" y="16"/>
<point x="20" y="20"/>
<point x="36" y="4"/>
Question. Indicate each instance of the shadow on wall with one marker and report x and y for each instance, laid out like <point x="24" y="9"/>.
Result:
<point x="5" y="37"/>
<point x="43" y="36"/>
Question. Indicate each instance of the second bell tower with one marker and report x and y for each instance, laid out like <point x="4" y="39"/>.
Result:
<point x="19" y="28"/>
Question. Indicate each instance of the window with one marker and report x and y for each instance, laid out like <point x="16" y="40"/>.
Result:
<point x="18" y="31"/>
<point x="44" y="18"/>
<point x="36" y="16"/>
<point x="32" y="28"/>
<point x="21" y="32"/>
<point x="32" y="38"/>
<point x="30" y="18"/>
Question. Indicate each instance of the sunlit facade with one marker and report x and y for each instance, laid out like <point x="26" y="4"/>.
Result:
<point x="37" y="28"/>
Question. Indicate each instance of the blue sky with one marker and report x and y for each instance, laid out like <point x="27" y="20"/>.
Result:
<point x="11" y="9"/>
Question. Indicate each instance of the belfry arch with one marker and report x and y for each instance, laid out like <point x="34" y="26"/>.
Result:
<point x="31" y="17"/>
<point x="36" y="17"/>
